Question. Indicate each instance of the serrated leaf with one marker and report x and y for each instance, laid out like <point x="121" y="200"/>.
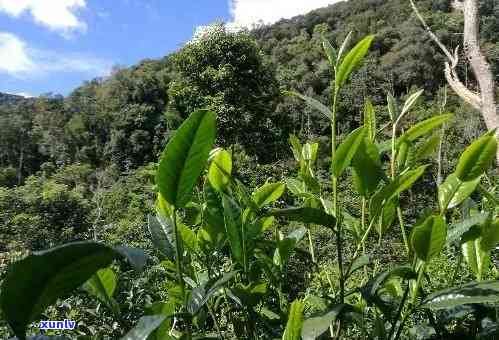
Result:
<point x="185" y="157"/>
<point x="358" y="263"/>
<point x="295" y="321"/>
<point x="477" y="158"/>
<point x="428" y="238"/>
<point x="427" y="148"/>
<point x="474" y="292"/>
<point x="200" y="296"/>
<point x="401" y="183"/>
<point x="352" y="61"/>
<point x="346" y="151"/>
<point x="313" y="103"/>
<point x="453" y="191"/>
<point x="145" y="326"/>
<point x="162" y="235"/>
<point x="37" y="281"/>
<point x="220" y="170"/>
<point x="232" y="218"/>
<point x="392" y="107"/>
<point x="388" y="215"/>
<point x="268" y="193"/>
<point x="424" y="127"/>
<point x="102" y="285"/>
<point x="316" y="326"/>
<point x="306" y="215"/>
<point x="330" y="52"/>
<point x="367" y="170"/>
<point x="410" y="102"/>
<point x="370" y="120"/>
<point x="457" y="230"/>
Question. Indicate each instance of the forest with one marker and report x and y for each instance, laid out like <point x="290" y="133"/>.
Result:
<point x="312" y="179"/>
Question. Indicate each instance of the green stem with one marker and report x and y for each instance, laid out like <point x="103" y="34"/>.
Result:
<point x="392" y="172"/>
<point x="402" y="230"/>
<point x="179" y="266"/>
<point x="311" y="244"/>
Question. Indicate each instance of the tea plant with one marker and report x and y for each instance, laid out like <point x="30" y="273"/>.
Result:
<point x="226" y="258"/>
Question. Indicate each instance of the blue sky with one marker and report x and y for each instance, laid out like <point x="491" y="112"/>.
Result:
<point x="55" y="45"/>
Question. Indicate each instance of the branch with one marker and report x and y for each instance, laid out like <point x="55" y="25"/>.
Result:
<point x="450" y="67"/>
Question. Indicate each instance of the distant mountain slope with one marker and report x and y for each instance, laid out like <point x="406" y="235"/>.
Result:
<point x="6" y="98"/>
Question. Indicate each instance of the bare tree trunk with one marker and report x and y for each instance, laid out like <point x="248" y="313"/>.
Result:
<point x="479" y="65"/>
<point x="485" y="101"/>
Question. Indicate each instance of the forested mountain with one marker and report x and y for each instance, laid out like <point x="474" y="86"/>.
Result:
<point x="82" y="166"/>
<point x="120" y="120"/>
<point x="6" y="98"/>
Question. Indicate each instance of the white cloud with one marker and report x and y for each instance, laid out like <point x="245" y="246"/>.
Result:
<point x="249" y="12"/>
<point x="20" y="61"/>
<point x="58" y="15"/>
<point x="22" y="94"/>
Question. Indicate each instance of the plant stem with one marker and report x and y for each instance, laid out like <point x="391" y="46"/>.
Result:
<point x="402" y="230"/>
<point x="311" y="244"/>
<point x="392" y="172"/>
<point x="399" y="311"/>
<point x="179" y="265"/>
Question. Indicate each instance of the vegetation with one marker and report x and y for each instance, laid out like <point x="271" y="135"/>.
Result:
<point x="381" y="221"/>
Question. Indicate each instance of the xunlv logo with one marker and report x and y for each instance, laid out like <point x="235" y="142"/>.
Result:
<point x="66" y="324"/>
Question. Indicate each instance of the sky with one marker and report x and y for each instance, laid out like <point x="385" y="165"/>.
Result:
<point x="53" y="46"/>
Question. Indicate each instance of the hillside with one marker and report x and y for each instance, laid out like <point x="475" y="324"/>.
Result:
<point x="6" y="99"/>
<point x="347" y="215"/>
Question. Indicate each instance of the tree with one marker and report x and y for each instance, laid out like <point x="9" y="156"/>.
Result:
<point x="225" y="71"/>
<point x="485" y="100"/>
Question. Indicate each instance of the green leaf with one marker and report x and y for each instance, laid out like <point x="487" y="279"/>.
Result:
<point x="424" y="127"/>
<point x="388" y="215"/>
<point x="401" y="183"/>
<point x="313" y="103"/>
<point x="457" y="230"/>
<point x="286" y="246"/>
<point x="474" y="292"/>
<point x="410" y="102"/>
<point x="268" y="193"/>
<point x="343" y="47"/>
<point x="477" y="158"/>
<point x="188" y="237"/>
<point x="316" y="326"/>
<point x="232" y="217"/>
<point x="490" y="235"/>
<point x="358" y="263"/>
<point x="330" y="52"/>
<point x="102" y="285"/>
<point x="306" y="215"/>
<point x="185" y="157"/>
<point x="392" y="108"/>
<point x="346" y="150"/>
<point x="296" y="187"/>
<point x="295" y="321"/>
<point x="162" y="235"/>
<point x="200" y="296"/>
<point x="296" y="147"/>
<point x="352" y="61"/>
<point x="428" y="238"/>
<point x="220" y="170"/>
<point x="161" y="308"/>
<point x="135" y="256"/>
<point x="309" y="152"/>
<point x="367" y="170"/>
<point x="145" y="326"/>
<point x="427" y="148"/>
<point x="370" y="120"/>
<point x="37" y="281"/>
<point x="453" y="192"/>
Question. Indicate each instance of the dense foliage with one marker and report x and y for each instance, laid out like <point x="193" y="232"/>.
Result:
<point x="255" y="239"/>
